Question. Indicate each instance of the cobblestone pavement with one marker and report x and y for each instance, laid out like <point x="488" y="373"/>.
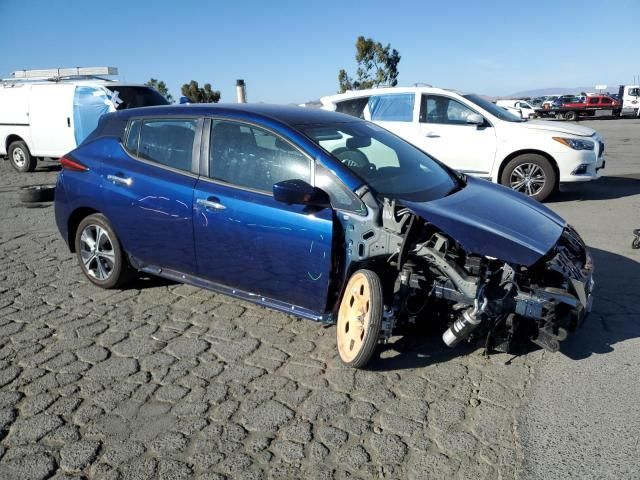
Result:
<point x="169" y="381"/>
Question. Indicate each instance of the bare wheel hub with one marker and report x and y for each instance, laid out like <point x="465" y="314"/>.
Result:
<point x="353" y="317"/>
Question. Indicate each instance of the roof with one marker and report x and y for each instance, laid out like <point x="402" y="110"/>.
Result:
<point x="289" y="115"/>
<point x="384" y="90"/>
<point x="69" y="81"/>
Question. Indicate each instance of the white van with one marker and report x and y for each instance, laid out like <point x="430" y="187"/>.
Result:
<point x="473" y="135"/>
<point x="45" y="114"/>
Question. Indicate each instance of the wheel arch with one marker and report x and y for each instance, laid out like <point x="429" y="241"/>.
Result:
<point x="12" y="137"/>
<point x="517" y="153"/>
<point x="72" y="224"/>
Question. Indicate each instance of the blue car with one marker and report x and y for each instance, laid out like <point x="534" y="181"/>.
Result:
<point x="323" y="216"/>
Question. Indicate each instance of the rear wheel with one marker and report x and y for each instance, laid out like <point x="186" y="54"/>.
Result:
<point x="100" y="254"/>
<point x="571" y="116"/>
<point x="360" y="318"/>
<point x="20" y="157"/>
<point x="531" y="174"/>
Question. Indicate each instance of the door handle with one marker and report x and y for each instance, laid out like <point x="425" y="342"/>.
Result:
<point x="432" y="135"/>
<point x="210" y="203"/>
<point x="118" y="180"/>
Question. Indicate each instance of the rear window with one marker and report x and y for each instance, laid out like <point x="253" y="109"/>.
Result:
<point x="134" y="97"/>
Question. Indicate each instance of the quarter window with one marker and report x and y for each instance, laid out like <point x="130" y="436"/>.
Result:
<point x="439" y="109"/>
<point x="134" y="135"/>
<point x="392" y="108"/>
<point x="166" y="142"/>
<point x="353" y="107"/>
<point x="253" y="158"/>
<point x="341" y="197"/>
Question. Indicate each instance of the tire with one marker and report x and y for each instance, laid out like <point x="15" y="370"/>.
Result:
<point x="37" y="193"/>
<point x="21" y="158"/>
<point x="533" y="167"/>
<point x="106" y="265"/>
<point x="571" y="116"/>
<point x="359" y="319"/>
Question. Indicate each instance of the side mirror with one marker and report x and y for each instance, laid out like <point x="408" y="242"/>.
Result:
<point x="475" y="119"/>
<point x="184" y="100"/>
<point x="299" y="192"/>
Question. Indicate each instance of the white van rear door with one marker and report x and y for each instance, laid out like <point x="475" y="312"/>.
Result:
<point x="51" y="119"/>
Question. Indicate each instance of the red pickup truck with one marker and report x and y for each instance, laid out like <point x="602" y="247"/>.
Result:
<point x="573" y="109"/>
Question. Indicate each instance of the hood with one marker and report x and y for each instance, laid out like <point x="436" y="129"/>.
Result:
<point x="559" y="127"/>
<point x="492" y="220"/>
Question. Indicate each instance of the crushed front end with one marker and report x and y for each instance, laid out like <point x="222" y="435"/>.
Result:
<point x="477" y="298"/>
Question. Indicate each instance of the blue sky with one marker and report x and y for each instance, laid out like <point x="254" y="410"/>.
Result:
<point x="292" y="51"/>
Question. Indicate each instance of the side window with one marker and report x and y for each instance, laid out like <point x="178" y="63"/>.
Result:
<point x="167" y="142"/>
<point x="592" y="101"/>
<point x="341" y="197"/>
<point x="353" y="107"/>
<point x="634" y="92"/>
<point x="392" y="108"/>
<point x="250" y="157"/>
<point x="133" y="136"/>
<point x="445" y="110"/>
<point x="606" y="100"/>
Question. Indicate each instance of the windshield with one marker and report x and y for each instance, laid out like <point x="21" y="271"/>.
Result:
<point x="493" y="109"/>
<point x="391" y="166"/>
<point x="134" y="97"/>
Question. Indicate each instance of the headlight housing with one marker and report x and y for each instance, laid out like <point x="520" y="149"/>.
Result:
<point x="575" y="143"/>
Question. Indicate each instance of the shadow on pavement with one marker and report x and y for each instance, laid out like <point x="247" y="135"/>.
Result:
<point x="606" y="188"/>
<point x="143" y="281"/>
<point x="416" y="350"/>
<point x="616" y="310"/>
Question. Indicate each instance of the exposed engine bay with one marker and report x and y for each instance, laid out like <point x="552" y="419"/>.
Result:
<point x="428" y="276"/>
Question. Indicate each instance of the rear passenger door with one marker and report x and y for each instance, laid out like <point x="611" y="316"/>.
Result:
<point x="147" y="190"/>
<point x="247" y="240"/>
<point x="396" y="112"/>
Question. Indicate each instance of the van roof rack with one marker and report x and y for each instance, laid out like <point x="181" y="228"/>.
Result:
<point x="56" y="74"/>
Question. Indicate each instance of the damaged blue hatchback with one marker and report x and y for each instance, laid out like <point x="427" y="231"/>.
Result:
<point x="322" y="216"/>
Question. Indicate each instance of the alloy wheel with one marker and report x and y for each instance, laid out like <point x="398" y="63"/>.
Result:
<point x="97" y="253"/>
<point x="528" y="178"/>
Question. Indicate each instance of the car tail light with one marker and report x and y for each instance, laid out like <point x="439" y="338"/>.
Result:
<point x="69" y="163"/>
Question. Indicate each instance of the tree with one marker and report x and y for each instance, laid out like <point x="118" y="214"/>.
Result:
<point x="377" y="65"/>
<point x="196" y="94"/>
<point x="161" y="87"/>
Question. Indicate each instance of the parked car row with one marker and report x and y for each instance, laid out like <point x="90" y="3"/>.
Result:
<point x="370" y="219"/>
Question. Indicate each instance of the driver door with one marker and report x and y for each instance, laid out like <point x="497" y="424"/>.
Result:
<point x="247" y="240"/>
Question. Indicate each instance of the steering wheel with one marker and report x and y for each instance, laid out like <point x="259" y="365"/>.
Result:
<point x="354" y="159"/>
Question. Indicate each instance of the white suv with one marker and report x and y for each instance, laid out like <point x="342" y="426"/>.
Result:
<point x="476" y="137"/>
